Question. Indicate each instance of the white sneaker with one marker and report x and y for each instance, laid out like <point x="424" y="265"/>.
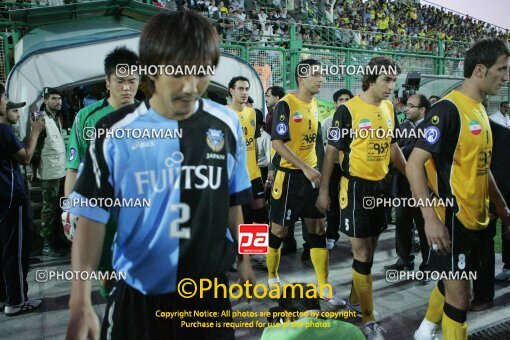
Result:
<point x="260" y="260"/>
<point x="330" y="243"/>
<point x="503" y="276"/>
<point x="335" y="300"/>
<point x="274" y="281"/>
<point x="373" y="331"/>
<point x="422" y="335"/>
<point x="357" y="308"/>
<point x="426" y="331"/>
<point x="22" y="307"/>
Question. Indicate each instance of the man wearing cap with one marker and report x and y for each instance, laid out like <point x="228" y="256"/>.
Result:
<point x="48" y="165"/>
<point x="14" y="219"/>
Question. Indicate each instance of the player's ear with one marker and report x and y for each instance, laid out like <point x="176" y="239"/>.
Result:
<point x="107" y="80"/>
<point x="479" y="71"/>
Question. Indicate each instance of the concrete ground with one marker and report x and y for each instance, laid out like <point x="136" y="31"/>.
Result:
<point x="401" y="305"/>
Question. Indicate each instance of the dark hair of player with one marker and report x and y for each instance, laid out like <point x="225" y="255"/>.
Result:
<point x="380" y="64"/>
<point x="486" y="52"/>
<point x="340" y="92"/>
<point x="179" y="38"/>
<point x="433" y="96"/>
<point x="120" y="55"/>
<point x="233" y="81"/>
<point x="500" y="105"/>
<point x="260" y="119"/>
<point x="308" y="62"/>
<point x="277" y="91"/>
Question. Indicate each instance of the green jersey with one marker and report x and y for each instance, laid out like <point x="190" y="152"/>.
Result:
<point x="309" y="328"/>
<point x="85" y="120"/>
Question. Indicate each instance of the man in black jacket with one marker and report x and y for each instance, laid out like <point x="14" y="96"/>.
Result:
<point x="417" y="106"/>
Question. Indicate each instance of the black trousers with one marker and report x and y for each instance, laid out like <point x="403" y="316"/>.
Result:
<point x="333" y="215"/>
<point x="130" y="314"/>
<point x="505" y="245"/>
<point x="15" y="252"/>
<point x="404" y="234"/>
<point x="483" y="286"/>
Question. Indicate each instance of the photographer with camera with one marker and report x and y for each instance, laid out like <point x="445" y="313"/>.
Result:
<point x="14" y="219"/>
<point x="48" y="164"/>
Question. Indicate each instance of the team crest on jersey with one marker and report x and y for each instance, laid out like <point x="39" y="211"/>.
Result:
<point x="297" y="116"/>
<point x="252" y="122"/>
<point x="432" y="134"/>
<point x="390" y="123"/>
<point x="281" y="128"/>
<point x="435" y="120"/>
<point x="72" y="154"/>
<point x="215" y="139"/>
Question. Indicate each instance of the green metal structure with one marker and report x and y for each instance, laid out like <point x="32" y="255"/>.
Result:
<point x="276" y="59"/>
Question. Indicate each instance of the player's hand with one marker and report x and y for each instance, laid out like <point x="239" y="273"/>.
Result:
<point x="323" y="202"/>
<point x="269" y="180"/>
<point x="504" y="214"/>
<point x="437" y="234"/>
<point x="37" y="125"/>
<point x="83" y="324"/>
<point x="246" y="274"/>
<point x="313" y="175"/>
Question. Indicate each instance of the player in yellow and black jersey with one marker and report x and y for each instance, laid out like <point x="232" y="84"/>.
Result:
<point x="256" y="211"/>
<point x="362" y="131"/>
<point x="455" y="156"/>
<point x="295" y="132"/>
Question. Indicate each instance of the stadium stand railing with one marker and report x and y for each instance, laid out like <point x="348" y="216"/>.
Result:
<point x="274" y="56"/>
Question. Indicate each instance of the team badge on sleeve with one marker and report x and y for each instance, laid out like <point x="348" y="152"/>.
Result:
<point x="281" y="129"/>
<point x="72" y="154"/>
<point x="432" y="134"/>
<point x="215" y="139"/>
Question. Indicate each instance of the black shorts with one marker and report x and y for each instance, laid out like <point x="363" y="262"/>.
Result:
<point x="467" y="247"/>
<point x="130" y="314"/>
<point x="257" y="188"/>
<point x="292" y="197"/>
<point x="356" y="220"/>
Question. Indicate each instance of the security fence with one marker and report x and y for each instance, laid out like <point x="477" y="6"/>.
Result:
<point x="4" y="58"/>
<point x="275" y="48"/>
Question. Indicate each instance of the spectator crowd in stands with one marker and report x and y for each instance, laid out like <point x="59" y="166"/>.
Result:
<point x="367" y="24"/>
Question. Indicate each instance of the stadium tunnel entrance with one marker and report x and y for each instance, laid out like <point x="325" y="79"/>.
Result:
<point x="69" y="56"/>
